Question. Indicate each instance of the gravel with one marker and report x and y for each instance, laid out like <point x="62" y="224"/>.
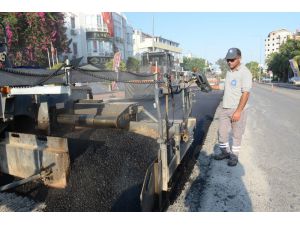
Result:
<point x="107" y="170"/>
<point x="110" y="170"/>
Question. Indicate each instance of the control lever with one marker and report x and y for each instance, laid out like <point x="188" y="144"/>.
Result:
<point x="202" y="82"/>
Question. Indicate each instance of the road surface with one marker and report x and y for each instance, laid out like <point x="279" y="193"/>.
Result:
<point x="267" y="176"/>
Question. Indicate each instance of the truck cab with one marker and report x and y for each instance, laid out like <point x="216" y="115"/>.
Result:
<point x="165" y="62"/>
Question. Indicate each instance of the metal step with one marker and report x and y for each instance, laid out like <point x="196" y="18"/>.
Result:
<point x="24" y="155"/>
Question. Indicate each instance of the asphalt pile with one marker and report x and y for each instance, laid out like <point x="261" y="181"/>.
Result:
<point x="107" y="170"/>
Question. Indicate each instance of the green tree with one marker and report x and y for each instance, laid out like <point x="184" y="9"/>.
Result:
<point x="254" y="69"/>
<point x="223" y="66"/>
<point x="109" y="65"/>
<point x="279" y="62"/>
<point x="133" y="65"/>
<point x="279" y="65"/>
<point x="270" y="58"/>
<point x="30" y="34"/>
<point x="190" y="63"/>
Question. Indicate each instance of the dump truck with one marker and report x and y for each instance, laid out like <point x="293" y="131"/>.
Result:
<point x="44" y="115"/>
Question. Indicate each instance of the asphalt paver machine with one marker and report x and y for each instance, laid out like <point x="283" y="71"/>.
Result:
<point x="35" y="103"/>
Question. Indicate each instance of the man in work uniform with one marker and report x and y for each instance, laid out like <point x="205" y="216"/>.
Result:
<point x="233" y="115"/>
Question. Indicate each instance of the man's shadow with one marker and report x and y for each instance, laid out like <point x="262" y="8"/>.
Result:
<point x="218" y="188"/>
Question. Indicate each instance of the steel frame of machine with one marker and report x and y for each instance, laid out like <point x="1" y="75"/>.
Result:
<point x="174" y="138"/>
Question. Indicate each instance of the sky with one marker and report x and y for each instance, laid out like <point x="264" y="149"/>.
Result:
<point x="210" y="35"/>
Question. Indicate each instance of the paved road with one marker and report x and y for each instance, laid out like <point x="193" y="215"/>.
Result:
<point x="284" y="85"/>
<point x="273" y="137"/>
<point x="267" y="177"/>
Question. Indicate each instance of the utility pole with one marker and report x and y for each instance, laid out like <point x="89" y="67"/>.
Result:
<point x="260" y="50"/>
<point x="152" y="33"/>
<point x="260" y="66"/>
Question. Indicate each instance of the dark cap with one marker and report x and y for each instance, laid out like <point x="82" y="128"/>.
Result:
<point x="233" y="53"/>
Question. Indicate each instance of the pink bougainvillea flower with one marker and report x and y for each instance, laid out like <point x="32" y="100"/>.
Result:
<point x="41" y="14"/>
<point x="53" y="34"/>
<point x="9" y="34"/>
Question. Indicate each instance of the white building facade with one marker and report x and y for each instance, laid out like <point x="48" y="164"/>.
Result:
<point x="96" y="37"/>
<point x="143" y="42"/>
<point x="274" y="40"/>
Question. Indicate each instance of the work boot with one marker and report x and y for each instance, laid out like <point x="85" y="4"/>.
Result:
<point x="233" y="160"/>
<point x="222" y="155"/>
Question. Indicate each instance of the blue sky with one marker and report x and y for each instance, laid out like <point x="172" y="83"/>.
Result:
<point x="209" y="35"/>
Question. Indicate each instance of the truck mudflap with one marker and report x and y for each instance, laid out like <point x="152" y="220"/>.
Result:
<point x="23" y="155"/>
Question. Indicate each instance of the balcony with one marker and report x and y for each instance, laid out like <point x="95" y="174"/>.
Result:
<point x="101" y="54"/>
<point x="96" y="29"/>
<point x="148" y="43"/>
<point x="98" y="35"/>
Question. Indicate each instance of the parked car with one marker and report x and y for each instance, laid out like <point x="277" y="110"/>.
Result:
<point x="266" y="80"/>
<point x="294" y="80"/>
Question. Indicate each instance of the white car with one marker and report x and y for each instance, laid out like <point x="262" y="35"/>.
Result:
<point x="267" y="80"/>
<point x="295" y="80"/>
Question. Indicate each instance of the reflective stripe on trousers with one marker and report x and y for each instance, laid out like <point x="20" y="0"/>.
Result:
<point x="237" y="128"/>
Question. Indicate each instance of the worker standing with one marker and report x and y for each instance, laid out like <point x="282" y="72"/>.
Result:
<point x="233" y="114"/>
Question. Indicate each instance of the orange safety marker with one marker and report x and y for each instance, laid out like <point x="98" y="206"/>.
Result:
<point x="5" y="90"/>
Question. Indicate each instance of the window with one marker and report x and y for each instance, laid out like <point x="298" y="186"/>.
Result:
<point x="105" y="47"/>
<point x="128" y="38"/>
<point x="91" y="21"/>
<point x="89" y="48"/>
<point x="118" y="31"/>
<point x="99" y="23"/>
<point x="95" y="46"/>
<point x="88" y="21"/>
<point x="75" y="50"/>
<point x="73" y="22"/>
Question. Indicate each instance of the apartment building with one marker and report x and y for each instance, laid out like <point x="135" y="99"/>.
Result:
<point x="295" y="35"/>
<point x="97" y="37"/>
<point x="143" y="42"/>
<point x="274" y="40"/>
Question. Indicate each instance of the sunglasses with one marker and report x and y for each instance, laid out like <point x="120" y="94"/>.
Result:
<point x="231" y="60"/>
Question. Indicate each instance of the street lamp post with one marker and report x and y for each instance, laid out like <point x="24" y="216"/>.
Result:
<point x="260" y="66"/>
